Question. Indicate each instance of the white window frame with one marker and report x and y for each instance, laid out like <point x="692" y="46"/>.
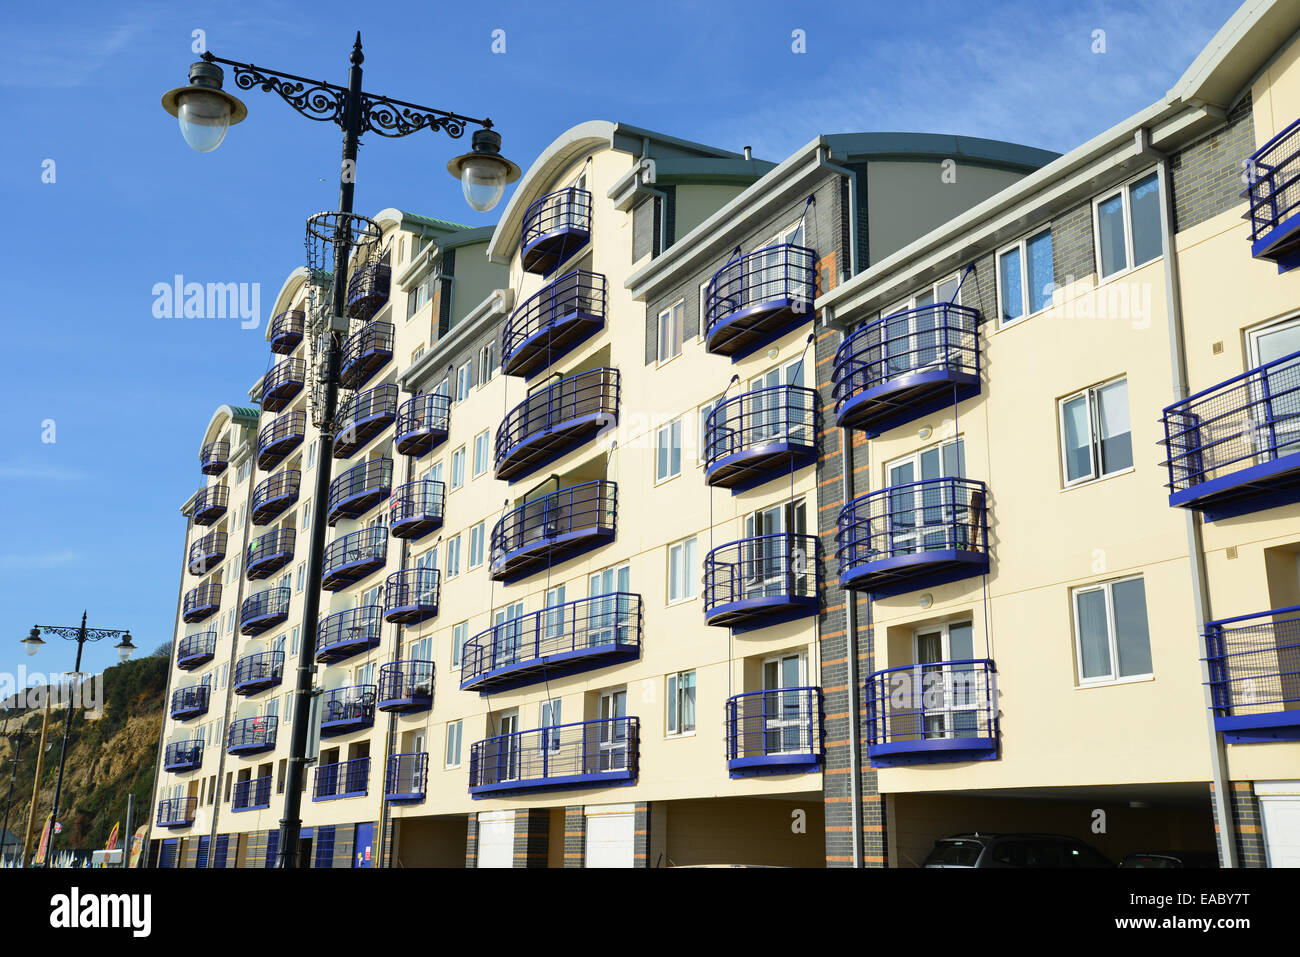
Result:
<point x="674" y="694"/>
<point x="453" y="557"/>
<point x="1094" y="434"/>
<point x="688" y="581"/>
<point x="454" y="732"/>
<point x="1122" y="190"/>
<point x="478" y="555"/>
<point x="459" y="635"/>
<point x="679" y="307"/>
<point x="464" y="380"/>
<point x="484" y="438"/>
<point x="702" y="413"/>
<point x="1022" y="244"/>
<point x="1107" y="588"/>
<point x="457" y="459"/>
<point x="668" y="427"/>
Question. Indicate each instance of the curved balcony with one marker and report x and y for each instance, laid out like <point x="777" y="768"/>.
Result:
<point x="275" y="494"/>
<point x="252" y="735"/>
<point x="354" y="556"/>
<point x="411" y="595"/>
<point x="342" y="779"/>
<point x="286" y="331"/>
<point x="207" y="553"/>
<point x="554" y="228"/>
<point x="268" y="553"/>
<point x="906" y="365"/>
<point x="913" y="536"/>
<point x="364" y="416"/>
<point x="585" y="754"/>
<point x="368" y="290"/>
<point x="1255" y="675"/>
<point x="553" y="321"/>
<point x="183" y="756"/>
<point x="282" y="383"/>
<point x="210" y="504"/>
<point x="365" y="352"/>
<point x="555" y="420"/>
<point x="553" y="528"/>
<point x="422" y="423"/>
<point x="562" y="640"/>
<point x="214" y="457"/>
<point x="1234" y="448"/>
<point x="197" y="649"/>
<point x="343" y="710"/>
<point x="347" y="633"/>
<point x="264" y="610"/>
<point x="254" y="673"/>
<point x="941" y="711"/>
<point x="417" y="508"/>
<point x="1274" y="215"/>
<point x="284" y="434"/>
<point x="190" y="702"/>
<point x="774" y="732"/>
<point x="759" y="297"/>
<point x="176" y="812"/>
<point x="201" y="602"/>
<point x="753" y="438"/>
<point x="756" y="582"/>
<point x="406" y="686"/>
<point x="407" y="777"/>
<point x="359" y="489"/>
<point x="251" y="794"/>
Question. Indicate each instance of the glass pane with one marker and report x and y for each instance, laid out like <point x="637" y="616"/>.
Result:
<point x="1132" y="641"/>
<point x="1144" y="206"/>
<point x="1110" y="235"/>
<point x="947" y="289"/>
<point x="954" y="459"/>
<point x="1009" y="285"/>
<point x="961" y="644"/>
<point x="1040" y="270"/>
<point x="672" y="704"/>
<point x="929" y="647"/>
<point x="929" y="464"/>
<point x="1116" y="440"/>
<point x="1078" y="448"/>
<point x="688" y="701"/>
<point x="1094" y="645"/>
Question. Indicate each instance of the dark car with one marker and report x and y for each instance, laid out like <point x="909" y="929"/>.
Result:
<point x="1013" y="850"/>
<point x="1171" y="859"/>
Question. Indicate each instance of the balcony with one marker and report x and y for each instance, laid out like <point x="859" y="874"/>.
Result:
<point x="354" y="556"/>
<point x="898" y="368"/>
<point x="195" y="650"/>
<point x="756" y="582"/>
<point x="176" y="812"/>
<point x="765" y="434"/>
<point x="275" y="494"/>
<point x="774" y="732"/>
<point x="181" y="756"/>
<point x="282" y="383"/>
<point x="1255" y="675"/>
<point x="368" y="290"/>
<point x="201" y="602"/>
<point x="207" y="553"/>
<point x="264" y="610"/>
<point x="268" y="553"/>
<point x="253" y="735"/>
<point x="416" y="509"/>
<point x="210" y="504"/>
<point x="284" y="434"/>
<point x="364" y="416"/>
<point x="552" y="322"/>
<point x="345" y="779"/>
<point x="343" y="710"/>
<point x="190" y="702"/>
<point x="359" y="489"/>
<point x="906" y="537"/>
<point x="422" y="423"/>
<point x="553" y="528"/>
<point x="1273" y="191"/>
<point x="365" y="352"/>
<point x="286" y="331"/>
<point x="757" y="298"/>
<point x="555" y="227"/>
<point x="407" y="777"/>
<point x="411" y="596"/>
<point x="585" y="754"/>
<point x="941" y="711"/>
<point x="254" y="673"/>
<point x="214" y="457"/>
<point x="347" y="633"/>
<point x="252" y="794"/>
<point x="555" y="420"/>
<point x="406" y="686"/>
<point x="1234" y="448"/>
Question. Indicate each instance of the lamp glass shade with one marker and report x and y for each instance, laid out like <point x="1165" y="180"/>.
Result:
<point x="204" y="119"/>
<point x="483" y="179"/>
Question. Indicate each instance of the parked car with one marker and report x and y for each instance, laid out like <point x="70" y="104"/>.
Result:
<point x="1171" y="859"/>
<point x="1013" y="850"/>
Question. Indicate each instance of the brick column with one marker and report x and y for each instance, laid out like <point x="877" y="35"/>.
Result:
<point x="641" y="835"/>
<point x="575" y="836"/>
<point x="1247" y="833"/>
<point x="471" y="841"/>
<point x="532" y="837"/>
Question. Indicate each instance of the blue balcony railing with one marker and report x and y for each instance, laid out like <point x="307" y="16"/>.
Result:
<point x="286" y="331"/>
<point x="600" y="753"/>
<point x="1234" y="448"/>
<point x="176" y="812"/>
<point x="411" y="595"/>
<point x="352" y="557"/>
<point x="195" y="650"/>
<point x="905" y="365"/>
<point x="275" y="494"/>
<point x="761" y="581"/>
<point x="357" y="490"/>
<point x="365" y="416"/>
<point x="183" y="755"/>
<point x="257" y="672"/>
<point x="252" y="794"/>
<point x="407" y="777"/>
<point x="763" y="434"/>
<point x="553" y="528"/>
<point x="406" y="686"/>
<point x="941" y="711"/>
<point x="214" y="457"/>
<point x="207" y="553"/>
<point x="1254" y="663"/>
<point x="190" y="702"/>
<point x="368" y="290"/>
<point x="416" y="508"/>
<point x="759" y="297"/>
<point x="202" y="601"/>
<point x="554" y="228"/>
<point x="555" y="420"/>
<point x="253" y="735"/>
<point x="210" y="504"/>
<point x="347" y="633"/>
<point x="365" y="352"/>
<point x="343" y="710"/>
<point x="343" y="779"/>
<point x="270" y="552"/>
<point x="284" y="381"/>
<point x="774" y="732"/>
<point x="264" y="610"/>
<point x="912" y="536"/>
<point x="1273" y="191"/>
<point x="562" y="640"/>
<point x="553" y="321"/>
<point x="422" y="423"/>
<point x="277" y="439"/>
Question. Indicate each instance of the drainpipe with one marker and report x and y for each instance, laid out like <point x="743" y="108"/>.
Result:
<point x="1195" y="542"/>
<point x="823" y="162"/>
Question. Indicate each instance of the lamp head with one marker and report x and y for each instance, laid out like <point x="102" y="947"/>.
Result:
<point x="205" y="111"/>
<point x="483" y="172"/>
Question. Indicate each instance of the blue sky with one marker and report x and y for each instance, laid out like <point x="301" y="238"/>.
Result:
<point x="91" y="519"/>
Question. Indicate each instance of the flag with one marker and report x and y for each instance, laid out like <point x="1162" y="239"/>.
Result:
<point x="43" y="845"/>
<point x="137" y="844"/>
<point x="58" y="827"/>
<point x="112" y="837"/>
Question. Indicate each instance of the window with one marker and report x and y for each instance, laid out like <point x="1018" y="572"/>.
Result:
<point x="681" y="702"/>
<point x="415" y="356"/>
<point x="306" y="515"/>
<point x="453" y="744"/>
<point x="295" y="640"/>
<point x="487" y="361"/>
<point x="459" y="635"/>
<point x="705" y="409"/>
<point x="1095" y="438"/>
<point x="1111" y="637"/>
<point x="549" y="717"/>
<point x="453" y="557"/>
<point x="1127" y="225"/>
<point x="682" y="558"/>
<point x="668" y="451"/>
<point x="464" y="378"/>
<point x="1026" y="275"/>
<point x="458" y="468"/>
<point x="302" y="575"/>
<point x="477" y="536"/>
<point x="671" y="321"/>
<point x="480" y="454"/>
<point x="704" y="309"/>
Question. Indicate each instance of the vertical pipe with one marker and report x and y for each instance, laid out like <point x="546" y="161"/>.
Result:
<point x="851" y="635"/>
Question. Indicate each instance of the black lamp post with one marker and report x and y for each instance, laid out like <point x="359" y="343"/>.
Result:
<point x="205" y="112"/>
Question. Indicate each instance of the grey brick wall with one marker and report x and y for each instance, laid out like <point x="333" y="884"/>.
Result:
<point x="532" y="836"/>
<point x="1073" y="253"/>
<point x="1248" y="833"/>
<point x="471" y="841"/>
<point x="645" y="228"/>
<point x="641" y="835"/>
<point x="575" y="836"/>
<point x="1207" y="176"/>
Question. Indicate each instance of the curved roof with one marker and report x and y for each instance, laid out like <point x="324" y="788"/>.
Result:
<point x="288" y="292"/>
<point x="237" y="414"/>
